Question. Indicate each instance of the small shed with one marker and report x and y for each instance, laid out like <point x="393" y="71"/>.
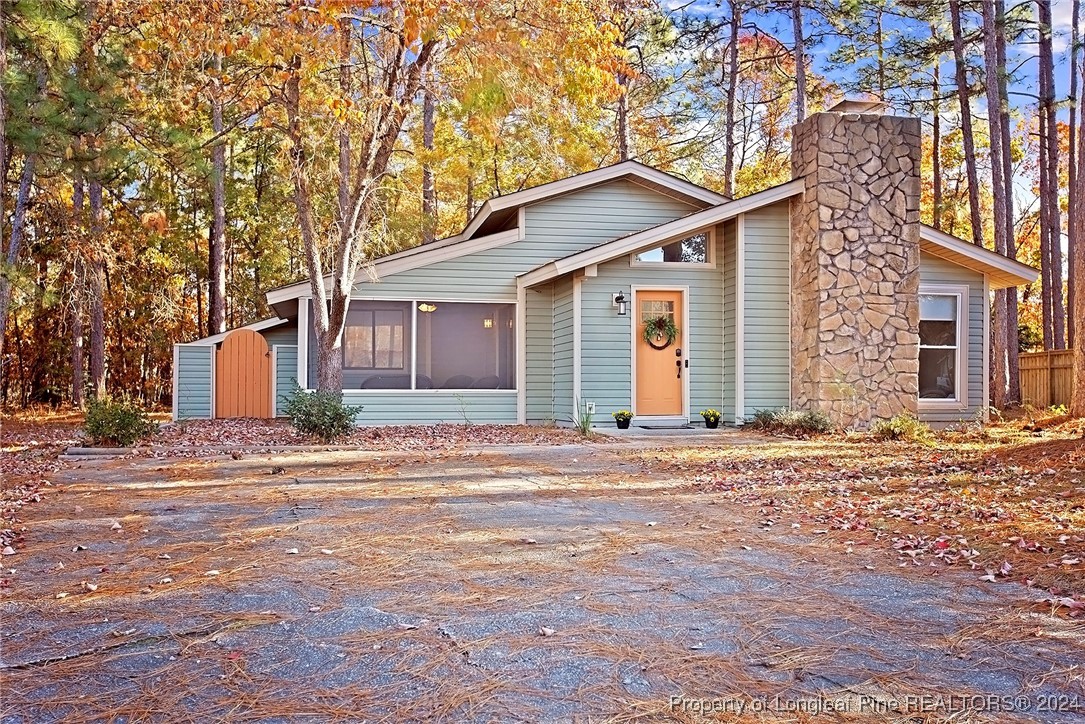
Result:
<point x="240" y="373"/>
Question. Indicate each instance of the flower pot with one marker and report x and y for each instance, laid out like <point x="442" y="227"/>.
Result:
<point x="711" y="424"/>
<point x="623" y="424"/>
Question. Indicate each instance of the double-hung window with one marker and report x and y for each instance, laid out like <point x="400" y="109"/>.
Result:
<point x="943" y="317"/>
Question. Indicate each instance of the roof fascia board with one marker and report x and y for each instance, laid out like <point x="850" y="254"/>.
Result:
<point x="987" y="259"/>
<point x="591" y="178"/>
<point x="255" y="326"/>
<point x="656" y="234"/>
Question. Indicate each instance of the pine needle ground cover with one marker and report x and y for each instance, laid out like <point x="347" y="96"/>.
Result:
<point x="644" y="578"/>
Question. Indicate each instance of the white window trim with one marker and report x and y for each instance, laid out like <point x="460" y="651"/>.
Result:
<point x="961" y="367"/>
<point x="710" y="250"/>
<point x="519" y="376"/>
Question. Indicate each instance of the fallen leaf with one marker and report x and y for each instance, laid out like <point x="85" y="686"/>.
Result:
<point x="89" y="587"/>
<point x="212" y="573"/>
<point x="115" y="526"/>
<point x="292" y="552"/>
<point x="546" y="631"/>
<point x="62" y="594"/>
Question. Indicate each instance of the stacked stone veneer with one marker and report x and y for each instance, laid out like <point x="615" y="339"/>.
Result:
<point x="855" y="266"/>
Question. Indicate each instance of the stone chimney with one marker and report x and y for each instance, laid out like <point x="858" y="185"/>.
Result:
<point x="855" y="264"/>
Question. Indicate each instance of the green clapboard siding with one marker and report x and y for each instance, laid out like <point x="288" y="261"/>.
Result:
<point x="286" y="373"/>
<point x="424" y="407"/>
<point x="767" y="327"/>
<point x="563" y="350"/>
<point x="192" y="380"/>
<point x="540" y="354"/>
<point x="729" y="261"/>
<point x="283" y="334"/>
<point x="934" y="270"/>
<point x="607" y="341"/>
<point x="555" y="228"/>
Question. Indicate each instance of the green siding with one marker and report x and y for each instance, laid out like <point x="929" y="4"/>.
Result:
<point x="728" y="260"/>
<point x="607" y="339"/>
<point x="767" y="326"/>
<point x="539" y="338"/>
<point x="935" y="270"/>
<point x="563" y="350"/>
<point x="555" y="228"/>
<point x="426" y="407"/>
<point x="193" y="381"/>
<point x="286" y="373"/>
<point x="283" y="334"/>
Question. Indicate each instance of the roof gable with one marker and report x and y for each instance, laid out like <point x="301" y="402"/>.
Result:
<point x="499" y="207"/>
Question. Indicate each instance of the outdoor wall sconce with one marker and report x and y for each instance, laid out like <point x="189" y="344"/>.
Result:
<point x="488" y="323"/>
<point x="620" y="303"/>
<point x="427" y="307"/>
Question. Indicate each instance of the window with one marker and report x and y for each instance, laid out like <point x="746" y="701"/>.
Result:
<point x="465" y="346"/>
<point x="696" y="249"/>
<point x="373" y="339"/>
<point x="940" y="346"/>
<point x="376" y="346"/>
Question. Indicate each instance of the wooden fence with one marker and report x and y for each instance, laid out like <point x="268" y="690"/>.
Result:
<point x="1046" y="377"/>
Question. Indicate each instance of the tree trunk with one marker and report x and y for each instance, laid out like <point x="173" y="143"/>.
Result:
<point x="1073" y="211"/>
<point x="731" y="96"/>
<point x="936" y="144"/>
<point x="1050" y="171"/>
<point x="800" y="60"/>
<point x="999" y="192"/>
<point x="964" y="95"/>
<point x="15" y="242"/>
<point x="216" y="248"/>
<point x="1013" y="393"/>
<point x="879" y="40"/>
<point x="97" y="292"/>
<point x="429" y="189"/>
<point x="625" y="140"/>
<point x="625" y="135"/>
<point x="3" y="150"/>
<point x="78" y="294"/>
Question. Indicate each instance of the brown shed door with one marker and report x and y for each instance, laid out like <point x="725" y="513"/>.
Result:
<point x="243" y="376"/>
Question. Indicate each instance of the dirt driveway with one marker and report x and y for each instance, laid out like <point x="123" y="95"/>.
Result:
<point x="522" y="583"/>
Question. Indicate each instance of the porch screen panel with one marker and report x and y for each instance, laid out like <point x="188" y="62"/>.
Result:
<point x="466" y="346"/>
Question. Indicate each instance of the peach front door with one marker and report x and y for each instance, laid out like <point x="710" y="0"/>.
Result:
<point x="243" y="376"/>
<point x="659" y="371"/>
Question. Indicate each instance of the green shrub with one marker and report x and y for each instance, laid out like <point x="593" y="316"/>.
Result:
<point x="901" y="427"/>
<point x="320" y="414"/>
<point x="116" y="423"/>
<point x="797" y="423"/>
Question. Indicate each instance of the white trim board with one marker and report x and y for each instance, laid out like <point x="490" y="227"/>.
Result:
<point x="740" y="320"/>
<point x="986" y="349"/>
<point x="521" y="355"/>
<point x="254" y="326"/>
<point x="176" y="375"/>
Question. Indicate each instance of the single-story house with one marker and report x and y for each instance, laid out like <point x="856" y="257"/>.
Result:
<point x="630" y="288"/>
